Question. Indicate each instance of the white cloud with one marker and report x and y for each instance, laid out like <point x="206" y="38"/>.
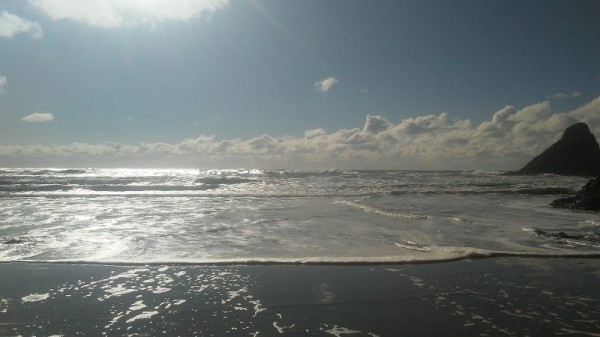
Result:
<point x="588" y="113"/>
<point x="11" y="25"/>
<point x="376" y="124"/>
<point x="124" y="13"/>
<point x="3" y="84"/>
<point x="422" y="124"/>
<point x="532" y="113"/>
<point x="507" y="140"/>
<point x="326" y="84"/>
<point x="314" y="133"/>
<point x="566" y="94"/>
<point x="39" y="117"/>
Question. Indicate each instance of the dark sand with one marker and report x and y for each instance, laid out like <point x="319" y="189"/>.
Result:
<point x="488" y="297"/>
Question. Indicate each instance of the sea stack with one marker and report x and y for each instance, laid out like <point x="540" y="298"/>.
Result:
<point x="576" y="153"/>
<point x="588" y="198"/>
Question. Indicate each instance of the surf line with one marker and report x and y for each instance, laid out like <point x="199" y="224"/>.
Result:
<point x="389" y="260"/>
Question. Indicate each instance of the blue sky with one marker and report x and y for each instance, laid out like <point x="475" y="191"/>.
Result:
<point x="292" y="83"/>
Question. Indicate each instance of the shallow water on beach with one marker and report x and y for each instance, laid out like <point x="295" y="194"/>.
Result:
<point x="283" y="216"/>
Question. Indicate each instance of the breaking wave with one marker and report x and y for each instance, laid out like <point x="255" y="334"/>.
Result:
<point x="431" y="255"/>
<point x="488" y="190"/>
<point x="382" y="211"/>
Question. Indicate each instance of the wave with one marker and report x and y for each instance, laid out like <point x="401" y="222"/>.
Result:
<point x="46" y="171"/>
<point x="588" y="239"/>
<point x="516" y="191"/>
<point x="104" y="188"/>
<point x="390" y="182"/>
<point x="25" y="249"/>
<point x="205" y="191"/>
<point x="34" y="188"/>
<point x="540" y="191"/>
<point x="135" y="188"/>
<point x="432" y="255"/>
<point x="303" y="173"/>
<point x="394" y="214"/>
<point x="224" y="180"/>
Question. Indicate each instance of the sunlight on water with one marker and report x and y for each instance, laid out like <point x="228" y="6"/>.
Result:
<point x="285" y="216"/>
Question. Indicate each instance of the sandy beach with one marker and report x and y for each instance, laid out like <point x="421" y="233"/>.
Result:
<point x="487" y="297"/>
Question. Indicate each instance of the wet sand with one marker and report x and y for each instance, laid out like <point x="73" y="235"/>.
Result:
<point x="486" y="297"/>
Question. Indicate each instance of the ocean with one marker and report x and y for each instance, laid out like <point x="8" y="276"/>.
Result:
<point x="239" y="216"/>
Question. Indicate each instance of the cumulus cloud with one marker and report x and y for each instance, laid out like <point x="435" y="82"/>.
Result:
<point x="3" y="84"/>
<point x="588" y="113"/>
<point x="39" y="117"/>
<point x="325" y="84"/>
<point x="11" y="25"/>
<point x="123" y="13"/>
<point x="376" y="124"/>
<point x="532" y="113"/>
<point x="507" y="140"/>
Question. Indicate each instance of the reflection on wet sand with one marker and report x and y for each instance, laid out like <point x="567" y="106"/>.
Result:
<point x="508" y="296"/>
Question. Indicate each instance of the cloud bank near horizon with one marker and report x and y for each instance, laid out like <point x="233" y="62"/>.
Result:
<point x="506" y="141"/>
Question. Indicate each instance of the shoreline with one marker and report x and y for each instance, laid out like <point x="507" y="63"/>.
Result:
<point x="512" y="296"/>
<point x="475" y="254"/>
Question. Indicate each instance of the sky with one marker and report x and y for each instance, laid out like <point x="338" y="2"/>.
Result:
<point x="311" y="84"/>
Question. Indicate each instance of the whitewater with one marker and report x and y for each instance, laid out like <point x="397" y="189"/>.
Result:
<point x="239" y="216"/>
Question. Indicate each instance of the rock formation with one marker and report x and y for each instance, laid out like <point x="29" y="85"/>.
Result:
<point x="576" y="153"/>
<point x="588" y="198"/>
